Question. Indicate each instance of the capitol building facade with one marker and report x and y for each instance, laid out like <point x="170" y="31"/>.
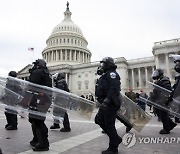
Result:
<point x="67" y="51"/>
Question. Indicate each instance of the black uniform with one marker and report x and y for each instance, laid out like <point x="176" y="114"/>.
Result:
<point x="11" y="115"/>
<point x="175" y="92"/>
<point x="107" y="92"/>
<point x="177" y="79"/>
<point x="60" y="83"/>
<point x="168" y="124"/>
<point x="39" y="75"/>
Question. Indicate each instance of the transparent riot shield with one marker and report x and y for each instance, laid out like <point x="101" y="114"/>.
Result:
<point x="160" y="99"/>
<point x="9" y="100"/>
<point x="133" y="114"/>
<point x="41" y="101"/>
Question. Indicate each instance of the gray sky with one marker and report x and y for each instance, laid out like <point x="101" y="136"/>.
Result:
<point x="116" y="28"/>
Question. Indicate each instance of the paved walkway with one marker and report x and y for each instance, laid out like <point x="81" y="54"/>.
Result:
<point x="86" y="138"/>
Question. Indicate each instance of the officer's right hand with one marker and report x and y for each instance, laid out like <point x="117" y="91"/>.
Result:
<point x="104" y="106"/>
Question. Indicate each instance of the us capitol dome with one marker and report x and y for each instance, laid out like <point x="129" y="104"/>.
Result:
<point x="66" y="44"/>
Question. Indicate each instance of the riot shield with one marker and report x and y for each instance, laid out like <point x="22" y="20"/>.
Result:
<point x="160" y="99"/>
<point x="133" y="114"/>
<point x="9" y="100"/>
<point x="41" y="101"/>
<point x="175" y="103"/>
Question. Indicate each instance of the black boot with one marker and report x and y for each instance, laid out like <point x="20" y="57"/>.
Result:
<point x="164" y="131"/>
<point x="39" y="147"/>
<point x="55" y="126"/>
<point x="6" y="125"/>
<point x="65" y="129"/>
<point x="33" y="143"/>
<point x="43" y="143"/>
<point x="11" y="128"/>
<point x="108" y="151"/>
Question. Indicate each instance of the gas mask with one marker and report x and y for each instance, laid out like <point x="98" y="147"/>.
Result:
<point x="34" y="66"/>
<point x="101" y="69"/>
<point x="177" y="67"/>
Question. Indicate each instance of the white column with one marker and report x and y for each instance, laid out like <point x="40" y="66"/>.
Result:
<point x="51" y="55"/>
<point x="152" y="69"/>
<point x="66" y="77"/>
<point x="87" y="58"/>
<point x="139" y="73"/>
<point x="75" y="55"/>
<point x="132" y="72"/>
<point x="56" y="55"/>
<point x="157" y="61"/>
<point x="167" y="65"/>
<point x="79" y="59"/>
<point x="146" y="75"/>
<point x="83" y="57"/>
<point x="66" y="55"/>
<point x="70" y="55"/>
<point x="61" y="56"/>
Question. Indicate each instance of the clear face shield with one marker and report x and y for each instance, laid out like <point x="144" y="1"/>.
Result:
<point x="155" y="75"/>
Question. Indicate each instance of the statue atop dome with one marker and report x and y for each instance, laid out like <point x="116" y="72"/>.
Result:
<point x="67" y="5"/>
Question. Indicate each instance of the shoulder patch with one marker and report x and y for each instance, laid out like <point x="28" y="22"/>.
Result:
<point x="113" y="75"/>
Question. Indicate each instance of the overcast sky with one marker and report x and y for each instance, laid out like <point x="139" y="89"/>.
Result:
<point x="116" y="28"/>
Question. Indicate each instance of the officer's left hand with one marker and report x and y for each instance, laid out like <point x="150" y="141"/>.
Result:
<point x="105" y="103"/>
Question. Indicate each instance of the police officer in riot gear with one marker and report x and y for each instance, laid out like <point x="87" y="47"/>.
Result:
<point x="162" y="81"/>
<point x="107" y="92"/>
<point x="11" y="115"/>
<point x="39" y="74"/>
<point x="60" y="83"/>
<point x="177" y="78"/>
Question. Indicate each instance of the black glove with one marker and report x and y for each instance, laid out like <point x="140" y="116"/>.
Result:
<point x="168" y="101"/>
<point x="105" y="103"/>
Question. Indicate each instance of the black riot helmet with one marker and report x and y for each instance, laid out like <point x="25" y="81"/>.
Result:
<point x="177" y="62"/>
<point x="157" y="74"/>
<point x="61" y="75"/>
<point x="106" y="64"/>
<point x="12" y="73"/>
<point x="40" y="62"/>
<point x="108" y="61"/>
